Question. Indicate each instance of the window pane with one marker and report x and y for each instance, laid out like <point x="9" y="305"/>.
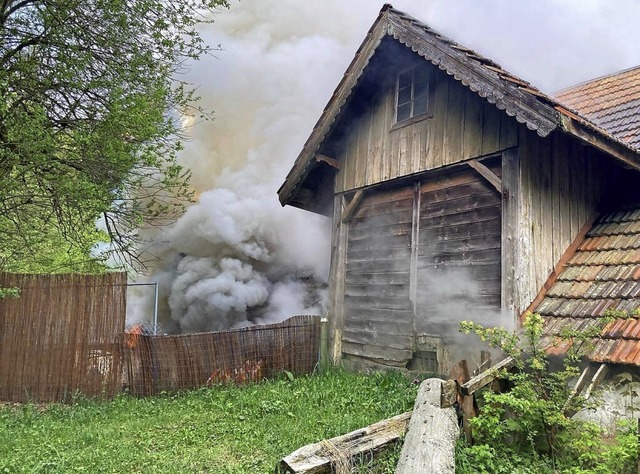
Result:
<point x="420" y="105"/>
<point x="404" y="95"/>
<point x="403" y="112"/>
<point x="404" y="79"/>
<point x="421" y="74"/>
<point x="421" y="89"/>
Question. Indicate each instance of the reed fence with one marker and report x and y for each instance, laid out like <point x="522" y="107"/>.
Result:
<point x="61" y="336"/>
<point x="65" y="335"/>
<point x="155" y="364"/>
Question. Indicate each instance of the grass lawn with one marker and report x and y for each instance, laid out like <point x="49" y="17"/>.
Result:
<point x="223" y="429"/>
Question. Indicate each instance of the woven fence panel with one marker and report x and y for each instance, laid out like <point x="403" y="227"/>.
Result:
<point x="156" y="364"/>
<point x="62" y="336"/>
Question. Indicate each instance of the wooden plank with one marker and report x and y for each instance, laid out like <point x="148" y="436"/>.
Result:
<point x="454" y="126"/>
<point x="377" y="338"/>
<point x="325" y="456"/>
<point x="389" y="355"/>
<point x="487" y="174"/>
<point x="435" y="150"/>
<point x="511" y="261"/>
<point x="472" y="139"/>
<point x="485" y="378"/>
<point x="393" y="327"/>
<point x="490" y="128"/>
<point x="353" y="205"/>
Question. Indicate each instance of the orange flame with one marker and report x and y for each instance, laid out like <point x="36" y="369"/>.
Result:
<point x="131" y="337"/>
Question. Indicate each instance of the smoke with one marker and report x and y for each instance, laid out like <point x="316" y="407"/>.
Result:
<point x="236" y="257"/>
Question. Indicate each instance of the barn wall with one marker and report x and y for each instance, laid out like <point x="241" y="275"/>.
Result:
<point x="463" y="126"/>
<point x="560" y="185"/>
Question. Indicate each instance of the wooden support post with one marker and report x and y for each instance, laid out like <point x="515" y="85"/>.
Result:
<point x="460" y="374"/>
<point x="323" y="457"/>
<point x="324" y="345"/>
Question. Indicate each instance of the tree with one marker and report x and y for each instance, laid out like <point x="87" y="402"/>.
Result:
<point x="90" y="107"/>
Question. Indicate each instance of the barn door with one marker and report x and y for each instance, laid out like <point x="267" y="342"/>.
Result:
<point x="458" y="259"/>
<point x="378" y="310"/>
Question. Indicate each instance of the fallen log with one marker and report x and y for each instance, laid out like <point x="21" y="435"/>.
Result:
<point x="429" y="445"/>
<point x="485" y="378"/>
<point x="332" y="454"/>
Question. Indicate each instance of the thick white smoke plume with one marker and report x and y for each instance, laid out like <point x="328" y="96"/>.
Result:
<point x="236" y="257"/>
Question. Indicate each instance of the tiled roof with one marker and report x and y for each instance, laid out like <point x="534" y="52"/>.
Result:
<point x="611" y="102"/>
<point x="602" y="279"/>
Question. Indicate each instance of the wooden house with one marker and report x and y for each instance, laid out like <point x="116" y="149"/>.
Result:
<point x="457" y="191"/>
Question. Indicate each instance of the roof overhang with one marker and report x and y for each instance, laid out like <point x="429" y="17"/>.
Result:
<point x="519" y="99"/>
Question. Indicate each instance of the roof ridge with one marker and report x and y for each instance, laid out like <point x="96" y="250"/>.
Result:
<point x="595" y="79"/>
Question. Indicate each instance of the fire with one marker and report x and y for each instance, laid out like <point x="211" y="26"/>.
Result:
<point x="250" y="371"/>
<point x="132" y="335"/>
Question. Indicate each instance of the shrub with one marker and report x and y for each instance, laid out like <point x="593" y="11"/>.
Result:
<point x="528" y="428"/>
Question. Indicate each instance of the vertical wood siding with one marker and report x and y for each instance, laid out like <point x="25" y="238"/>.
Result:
<point x="463" y="126"/>
<point x="561" y="183"/>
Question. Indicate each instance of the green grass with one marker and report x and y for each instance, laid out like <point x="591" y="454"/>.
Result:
<point x="221" y="429"/>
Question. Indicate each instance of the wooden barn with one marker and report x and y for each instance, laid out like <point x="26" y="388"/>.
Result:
<point x="457" y="191"/>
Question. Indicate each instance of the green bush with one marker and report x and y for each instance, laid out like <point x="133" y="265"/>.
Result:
<point x="528" y="429"/>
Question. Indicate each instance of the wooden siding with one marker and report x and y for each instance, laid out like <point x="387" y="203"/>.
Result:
<point x="420" y="257"/>
<point x="458" y="252"/>
<point x="560" y="184"/>
<point x="462" y="126"/>
<point x="378" y="315"/>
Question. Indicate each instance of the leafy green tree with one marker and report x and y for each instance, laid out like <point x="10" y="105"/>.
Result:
<point x="90" y="107"/>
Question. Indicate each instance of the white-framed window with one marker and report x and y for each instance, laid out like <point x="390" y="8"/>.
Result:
<point x="413" y="93"/>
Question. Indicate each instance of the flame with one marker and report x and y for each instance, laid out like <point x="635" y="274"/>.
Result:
<point x="132" y="335"/>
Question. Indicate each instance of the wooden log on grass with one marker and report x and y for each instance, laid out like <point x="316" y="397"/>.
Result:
<point x="337" y="454"/>
<point x="430" y="443"/>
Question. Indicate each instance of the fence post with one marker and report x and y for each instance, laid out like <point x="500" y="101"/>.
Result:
<point x="324" y="345"/>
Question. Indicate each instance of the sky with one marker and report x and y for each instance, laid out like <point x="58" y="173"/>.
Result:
<point x="237" y="257"/>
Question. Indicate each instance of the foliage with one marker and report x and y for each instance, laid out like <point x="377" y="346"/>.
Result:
<point x="9" y="293"/>
<point x="223" y="429"/>
<point x="528" y="428"/>
<point x="90" y="112"/>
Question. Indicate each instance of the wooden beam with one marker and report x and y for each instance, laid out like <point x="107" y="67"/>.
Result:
<point x="323" y="457"/>
<point x="487" y="174"/>
<point x="598" y="139"/>
<point x="353" y="205"/>
<point x="485" y="378"/>
<point x="325" y="159"/>
<point x="597" y="378"/>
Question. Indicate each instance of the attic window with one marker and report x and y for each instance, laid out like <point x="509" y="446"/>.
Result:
<point x="412" y="93"/>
